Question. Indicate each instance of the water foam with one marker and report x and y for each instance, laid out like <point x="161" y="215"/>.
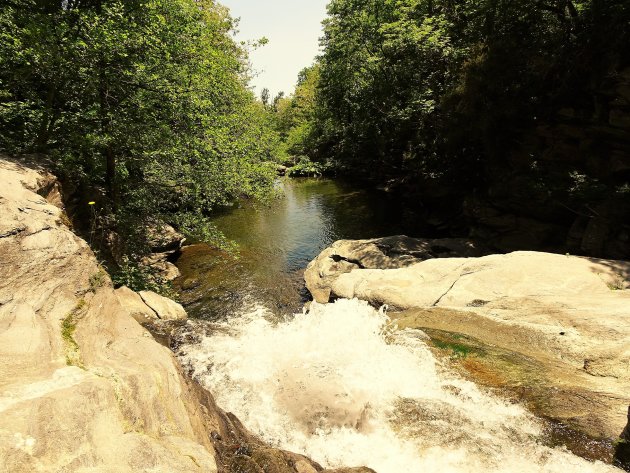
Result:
<point x="338" y="386"/>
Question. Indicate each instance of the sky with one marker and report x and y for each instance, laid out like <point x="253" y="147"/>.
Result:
<point x="293" y="28"/>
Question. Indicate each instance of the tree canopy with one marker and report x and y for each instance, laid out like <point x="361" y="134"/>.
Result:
<point x="433" y="86"/>
<point x="143" y="103"/>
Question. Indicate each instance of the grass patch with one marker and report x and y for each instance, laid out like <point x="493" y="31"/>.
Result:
<point x="68" y="327"/>
<point x="457" y="350"/>
<point x="98" y="279"/>
<point x="456" y="345"/>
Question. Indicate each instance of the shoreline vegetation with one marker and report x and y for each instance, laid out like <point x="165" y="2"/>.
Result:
<point x="144" y="110"/>
<point x="506" y="122"/>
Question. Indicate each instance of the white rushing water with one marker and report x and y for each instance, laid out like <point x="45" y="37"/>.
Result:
<point x="336" y="385"/>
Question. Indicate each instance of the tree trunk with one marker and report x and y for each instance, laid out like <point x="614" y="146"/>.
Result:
<point x="43" y="135"/>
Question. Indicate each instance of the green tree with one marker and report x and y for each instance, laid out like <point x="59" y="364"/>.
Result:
<point x="143" y="102"/>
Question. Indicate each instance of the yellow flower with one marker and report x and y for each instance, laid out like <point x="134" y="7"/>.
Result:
<point x="91" y="203"/>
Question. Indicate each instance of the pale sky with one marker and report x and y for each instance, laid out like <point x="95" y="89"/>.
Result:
<point x="293" y="28"/>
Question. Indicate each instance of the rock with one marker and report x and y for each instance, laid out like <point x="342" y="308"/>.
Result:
<point x="165" y="242"/>
<point x="304" y="467"/>
<point x="164" y="238"/>
<point x="164" y="269"/>
<point x="135" y="306"/>
<point x="281" y="170"/>
<point x="568" y="313"/>
<point x="164" y="308"/>
<point x="84" y="387"/>
<point x="384" y="253"/>
<point x="622" y="449"/>
<point x="619" y="119"/>
<point x="351" y="470"/>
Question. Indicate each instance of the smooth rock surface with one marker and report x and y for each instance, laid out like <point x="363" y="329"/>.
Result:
<point x="135" y="306"/>
<point x="164" y="308"/>
<point x="400" y="251"/>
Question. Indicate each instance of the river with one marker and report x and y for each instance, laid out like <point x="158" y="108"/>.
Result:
<point x="339" y="383"/>
<point x="276" y="242"/>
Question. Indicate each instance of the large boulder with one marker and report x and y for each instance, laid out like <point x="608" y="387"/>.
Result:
<point x="164" y="308"/>
<point x="569" y="313"/>
<point x="163" y="238"/>
<point x="392" y="252"/>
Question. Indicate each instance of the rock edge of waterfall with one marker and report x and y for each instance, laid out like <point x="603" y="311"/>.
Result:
<point x="571" y="314"/>
<point x="83" y="386"/>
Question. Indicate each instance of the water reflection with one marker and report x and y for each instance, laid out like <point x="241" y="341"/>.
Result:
<point x="276" y="244"/>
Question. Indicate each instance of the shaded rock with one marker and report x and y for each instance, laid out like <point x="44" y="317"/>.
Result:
<point x="620" y="119"/>
<point x="622" y="450"/>
<point x="351" y="470"/>
<point x="163" y="307"/>
<point x="190" y="283"/>
<point x="401" y="251"/>
<point x="164" y="269"/>
<point x="506" y="230"/>
<point x="164" y="238"/>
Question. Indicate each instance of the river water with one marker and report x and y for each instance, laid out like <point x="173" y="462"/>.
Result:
<point x="277" y="242"/>
<point x="339" y="383"/>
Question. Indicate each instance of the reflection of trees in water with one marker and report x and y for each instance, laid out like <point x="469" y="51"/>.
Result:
<point x="276" y="243"/>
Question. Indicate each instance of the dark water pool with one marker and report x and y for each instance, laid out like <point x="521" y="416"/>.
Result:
<point x="277" y="242"/>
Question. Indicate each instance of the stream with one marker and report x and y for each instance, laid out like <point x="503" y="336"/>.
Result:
<point x="340" y="383"/>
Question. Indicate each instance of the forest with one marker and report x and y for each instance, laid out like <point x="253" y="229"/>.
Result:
<point x="507" y="120"/>
<point x="142" y="105"/>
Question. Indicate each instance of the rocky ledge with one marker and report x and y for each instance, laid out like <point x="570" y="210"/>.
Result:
<point x="345" y="256"/>
<point x="569" y="314"/>
<point x="83" y="386"/>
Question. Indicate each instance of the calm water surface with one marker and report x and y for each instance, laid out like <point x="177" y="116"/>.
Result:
<point x="276" y="243"/>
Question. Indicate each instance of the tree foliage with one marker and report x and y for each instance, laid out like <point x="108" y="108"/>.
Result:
<point x="442" y="89"/>
<point x="144" y="103"/>
<point x="295" y="115"/>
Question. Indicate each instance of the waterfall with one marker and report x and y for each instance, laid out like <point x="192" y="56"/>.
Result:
<point x="340" y="385"/>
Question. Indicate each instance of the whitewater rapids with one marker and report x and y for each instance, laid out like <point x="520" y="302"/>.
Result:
<point x="338" y="385"/>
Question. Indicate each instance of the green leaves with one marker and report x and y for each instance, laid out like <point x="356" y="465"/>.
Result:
<point x="144" y="101"/>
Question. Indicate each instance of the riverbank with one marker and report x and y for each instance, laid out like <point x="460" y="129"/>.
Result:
<point x="567" y="313"/>
<point x="83" y="386"/>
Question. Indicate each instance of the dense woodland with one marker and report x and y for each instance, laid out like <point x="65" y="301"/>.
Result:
<point x="509" y="120"/>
